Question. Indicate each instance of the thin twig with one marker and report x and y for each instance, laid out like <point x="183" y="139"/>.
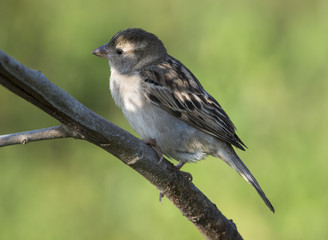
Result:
<point x="34" y="135"/>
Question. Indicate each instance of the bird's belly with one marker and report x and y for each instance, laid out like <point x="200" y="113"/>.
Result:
<point x="174" y="137"/>
<point x="144" y="120"/>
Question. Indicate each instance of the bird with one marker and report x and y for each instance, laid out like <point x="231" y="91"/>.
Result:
<point x="167" y="106"/>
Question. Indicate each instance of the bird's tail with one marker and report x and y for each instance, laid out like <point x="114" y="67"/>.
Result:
<point x="232" y="159"/>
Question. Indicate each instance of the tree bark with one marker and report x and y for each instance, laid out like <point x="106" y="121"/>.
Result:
<point x="80" y="122"/>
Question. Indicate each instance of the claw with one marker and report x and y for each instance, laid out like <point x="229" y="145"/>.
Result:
<point x="160" y="159"/>
<point x="161" y="195"/>
<point x="152" y="143"/>
<point x="186" y="174"/>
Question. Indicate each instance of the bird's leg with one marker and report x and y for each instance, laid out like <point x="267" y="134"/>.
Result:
<point x="151" y="142"/>
<point x="186" y="174"/>
<point x="180" y="165"/>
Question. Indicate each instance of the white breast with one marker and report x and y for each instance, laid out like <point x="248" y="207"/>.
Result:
<point x="140" y="113"/>
<point x="125" y="90"/>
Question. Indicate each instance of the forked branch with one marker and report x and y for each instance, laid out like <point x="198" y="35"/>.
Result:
<point x="80" y="122"/>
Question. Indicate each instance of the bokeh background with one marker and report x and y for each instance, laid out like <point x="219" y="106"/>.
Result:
<point x="266" y="62"/>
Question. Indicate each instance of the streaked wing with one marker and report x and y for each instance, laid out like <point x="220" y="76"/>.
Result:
<point x="171" y="86"/>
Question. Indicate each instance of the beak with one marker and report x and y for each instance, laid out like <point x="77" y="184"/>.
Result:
<point x="102" y="51"/>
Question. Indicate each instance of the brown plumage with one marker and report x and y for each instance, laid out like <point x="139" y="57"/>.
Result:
<point x="163" y="101"/>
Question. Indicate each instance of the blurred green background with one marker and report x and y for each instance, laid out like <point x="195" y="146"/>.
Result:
<point x="266" y="62"/>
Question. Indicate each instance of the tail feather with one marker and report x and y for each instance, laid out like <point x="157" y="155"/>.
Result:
<point x="232" y="159"/>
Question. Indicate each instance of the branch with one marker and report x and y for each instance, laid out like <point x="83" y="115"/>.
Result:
<point x="80" y="122"/>
<point x="34" y="135"/>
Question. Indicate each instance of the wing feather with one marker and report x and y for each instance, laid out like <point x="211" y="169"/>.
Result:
<point x="171" y="86"/>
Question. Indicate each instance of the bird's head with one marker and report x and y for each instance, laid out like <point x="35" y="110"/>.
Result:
<point x="131" y="50"/>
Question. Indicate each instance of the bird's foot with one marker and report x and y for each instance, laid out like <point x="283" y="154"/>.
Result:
<point x="151" y="142"/>
<point x="186" y="174"/>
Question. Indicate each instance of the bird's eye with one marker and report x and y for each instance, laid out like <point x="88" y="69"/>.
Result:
<point x="119" y="51"/>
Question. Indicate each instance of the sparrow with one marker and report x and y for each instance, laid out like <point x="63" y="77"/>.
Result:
<point x="167" y="106"/>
